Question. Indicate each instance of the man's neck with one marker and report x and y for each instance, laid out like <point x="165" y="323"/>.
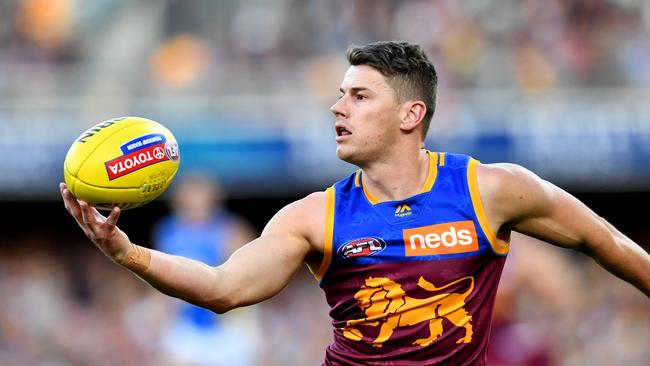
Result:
<point x="398" y="177"/>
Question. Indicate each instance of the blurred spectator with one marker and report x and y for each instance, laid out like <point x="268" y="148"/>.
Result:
<point x="45" y="23"/>
<point x="201" y="228"/>
<point x="179" y="61"/>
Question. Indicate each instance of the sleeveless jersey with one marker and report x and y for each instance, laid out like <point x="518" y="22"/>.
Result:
<point x="411" y="282"/>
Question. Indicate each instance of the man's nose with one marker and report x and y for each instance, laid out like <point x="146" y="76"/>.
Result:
<point x="338" y="108"/>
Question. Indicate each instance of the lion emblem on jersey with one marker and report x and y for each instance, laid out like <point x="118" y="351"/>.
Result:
<point x="386" y="304"/>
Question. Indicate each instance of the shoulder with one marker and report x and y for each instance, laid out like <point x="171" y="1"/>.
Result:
<point x="495" y="176"/>
<point x="306" y="206"/>
<point x="304" y="218"/>
<point x="509" y="191"/>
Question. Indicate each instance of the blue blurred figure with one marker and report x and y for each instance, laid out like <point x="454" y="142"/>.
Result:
<point x="200" y="228"/>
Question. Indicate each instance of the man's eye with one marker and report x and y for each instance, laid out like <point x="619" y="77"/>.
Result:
<point x="360" y="97"/>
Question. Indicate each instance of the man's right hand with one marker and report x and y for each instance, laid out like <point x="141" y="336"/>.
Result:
<point x="253" y="273"/>
<point x="103" y="232"/>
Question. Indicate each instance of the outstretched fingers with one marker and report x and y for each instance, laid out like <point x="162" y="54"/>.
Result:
<point x="71" y="204"/>
<point x="87" y="214"/>
<point x="74" y="208"/>
<point x="111" y="221"/>
<point x="101" y="230"/>
<point x="84" y="213"/>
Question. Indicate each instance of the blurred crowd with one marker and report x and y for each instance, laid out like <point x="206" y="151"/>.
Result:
<point x="147" y="47"/>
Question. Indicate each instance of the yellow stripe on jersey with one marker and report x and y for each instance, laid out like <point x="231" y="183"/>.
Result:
<point x="373" y="200"/>
<point x="357" y="176"/>
<point x="329" y="234"/>
<point x="433" y="172"/>
<point x="499" y="247"/>
<point x="442" y="159"/>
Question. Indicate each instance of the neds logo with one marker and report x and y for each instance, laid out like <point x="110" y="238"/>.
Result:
<point x="447" y="238"/>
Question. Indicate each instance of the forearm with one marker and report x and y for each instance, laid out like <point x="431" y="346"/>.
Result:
<point x="622" y="257"/>
<point x="180" y="277"/>
<point x="252" y="274"/>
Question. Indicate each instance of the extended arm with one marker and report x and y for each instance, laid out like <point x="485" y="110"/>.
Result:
<point x="516" y="199"/>
<point x="255" y="272"/>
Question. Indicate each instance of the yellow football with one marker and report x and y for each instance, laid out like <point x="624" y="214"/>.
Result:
<point x="125" y="162"/>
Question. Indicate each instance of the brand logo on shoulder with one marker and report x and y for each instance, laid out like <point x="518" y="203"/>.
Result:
<point x="446" y="238"/>
<point x="403" y="210"/>
<point x="362" y="247"/>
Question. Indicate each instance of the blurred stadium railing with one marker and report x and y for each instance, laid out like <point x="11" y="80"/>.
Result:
<point x="264" y="145"/>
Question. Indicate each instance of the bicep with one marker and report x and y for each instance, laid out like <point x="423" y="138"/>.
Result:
<point x="562" y="220"/>
<point x="530" y="205"/>
<point x="263" y="267"/>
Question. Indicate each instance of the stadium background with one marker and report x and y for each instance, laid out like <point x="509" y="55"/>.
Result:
<point x="561" y="87"/>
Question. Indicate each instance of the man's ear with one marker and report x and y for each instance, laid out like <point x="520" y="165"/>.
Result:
<point x="413" y="113"/>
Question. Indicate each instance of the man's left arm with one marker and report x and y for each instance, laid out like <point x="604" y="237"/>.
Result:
<point x="516" y="199"/>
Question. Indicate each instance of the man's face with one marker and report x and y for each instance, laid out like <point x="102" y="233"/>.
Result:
<point x="367" y="115"/>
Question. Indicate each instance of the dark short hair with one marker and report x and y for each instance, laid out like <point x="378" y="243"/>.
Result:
<point x="407" y="70"/>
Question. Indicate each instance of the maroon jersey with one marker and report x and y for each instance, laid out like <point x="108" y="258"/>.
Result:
<point x="411" y="282"/>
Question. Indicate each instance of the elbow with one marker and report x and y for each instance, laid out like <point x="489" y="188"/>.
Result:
<point x="220" y="309"/>
<point x="603" y="242"/>
<point x="223" y="296"/>
<point x="221" y="306"/>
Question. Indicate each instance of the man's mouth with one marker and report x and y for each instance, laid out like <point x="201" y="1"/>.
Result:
<point x="342" y="131"/>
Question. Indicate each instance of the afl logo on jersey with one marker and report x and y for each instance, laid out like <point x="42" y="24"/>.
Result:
<point x="362" y="247"/>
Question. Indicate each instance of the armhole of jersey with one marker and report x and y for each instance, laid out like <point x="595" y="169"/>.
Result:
<point x="329" y="234"/>
<point x="497" y="247"/>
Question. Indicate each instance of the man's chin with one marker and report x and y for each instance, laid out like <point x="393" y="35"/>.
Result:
<point x="342" y="154"/>
<point x="346" y="156"/>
